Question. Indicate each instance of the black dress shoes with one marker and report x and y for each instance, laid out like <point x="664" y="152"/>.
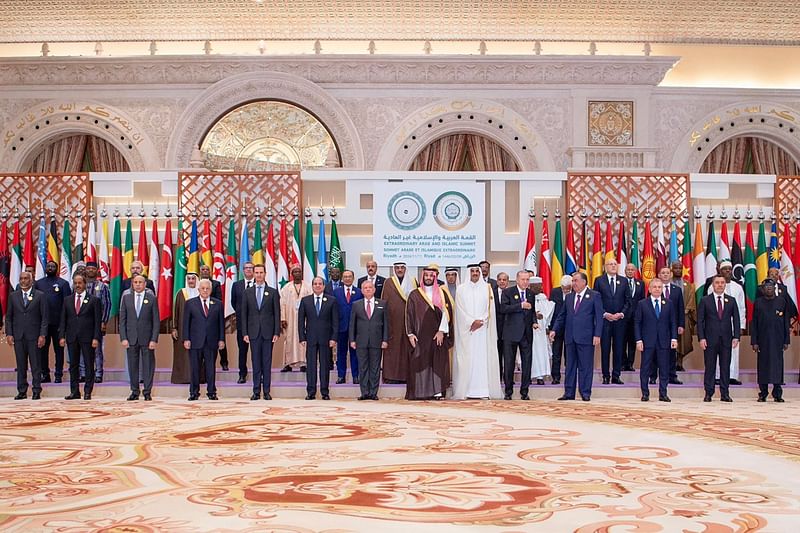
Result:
<point x="507" y="397"/>
<point x="356" y="381"/>
<point x="133" y="397"/>
<point x="310" y="397"/>
<point x="374" y="397"/>
<point x="735" y="382"/>
<point x="585" y="398"/>
<point x="675" y="382"/>
<point x="148" y="397"/>
<point x="606" y="381"/>
<point x="326" y="397"/>
<point x="98" y="379"/>
<point x="241" y="379"/>
<point x="762" y="398"/>
<point x="779" y="400"/>
<point x="645" y="398"/>
<point x="339" y="381"/>
<point x="87" y="396"/>
<point x="194" y="397"/>
<point x="36" y="396"/>
<point x="21" y="396"/>
<point x="556" y="382"/>
<point x="617" y="381"/>
<point x="267" y="396"/>
<point x="565" y="397"/>
<point x="255" y="397"/>
<point x="525" y="397"/>
<point x="73" y="397"/>
<point x="540" y="382"/>
<point x="213" y="397"/>
<point x="680" y="368"/>
<point x="303" y="368"/>
<point x="707" y="398"/>
<point x="287" y="368"/>
<point x="46" y="378"/>
<point x="664" y="398"/>
<point x="652" y="381"/>
<point x="57" y="380"/>
<point x="363" y="397"/>
<point x="224" y="368"/>
<point x="727" y="399"/>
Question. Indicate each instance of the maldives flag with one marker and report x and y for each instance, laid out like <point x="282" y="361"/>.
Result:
<point x="230" y="267"/>
<point x="750" y="272"/>
<point x="270" y="260"/>
<point x="622" y="249"/>
<point x="530" y="249"/>
<point x="648" y="256"/>
<point x="5" y="267"/>
<point x="545" y="269"/>
<point x="597" y="254"/>
<point x="283" y="258"/>
<point x="571" y="262"/>
<point x="28" y="253"/>
<point x="16" y="258"/>
<point x="154" y="265"/>
<point x="206" y="256"/>
<point x="699" y="263"/>
<point x="116" y="268"/>
<point x="787" y="264"/>
<point x="143" y="252"/>
<point x="610" y="252"/>
<point x="165" y="279"/>
<point x="218" y="267"/>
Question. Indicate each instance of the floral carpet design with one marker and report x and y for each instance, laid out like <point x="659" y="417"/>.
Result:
<point x="340" y="466"/>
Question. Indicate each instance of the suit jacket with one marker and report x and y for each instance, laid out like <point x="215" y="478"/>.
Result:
<point x="379" y="281"/>
<point x="216" y="289"/>
<point x="500" y="319"/>
<point x="261" y="323"/>
<point x="203" y="331"/>
<point x="143" y="329"/>
<point x="329" y="287"/>
<point x="318" y="329"/>
<point x="655" y="332"/>
<point x="126" y="285"/>
<point x="638" y="294"/>
<point x="55" y="291"/>
<point x="369" y="332"/>
<point x="676" y="299"/>
<point x="709" y="325"/>
<point x="345" y="308"/>
<point x="85" y="326"/>
<point x="27" y="322"/>
<point x="518" y="322"/>
<point x="620" y="300"/>
<point x="581" y="327"/>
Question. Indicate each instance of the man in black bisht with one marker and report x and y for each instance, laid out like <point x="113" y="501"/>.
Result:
<point x="769" y="335"/>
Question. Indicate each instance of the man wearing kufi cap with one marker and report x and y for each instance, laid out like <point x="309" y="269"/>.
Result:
<point x="294" y="354"/>
<point x="769" y="335"/>
<point x="429" y="328"/>
<point x="395" y="293"/>
<point x="733" y="289"/>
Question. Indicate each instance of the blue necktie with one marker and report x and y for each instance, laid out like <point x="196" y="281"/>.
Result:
<point x="318" y="305"/>
<point x="658" y="309"/>
<point x="259" y="294"/>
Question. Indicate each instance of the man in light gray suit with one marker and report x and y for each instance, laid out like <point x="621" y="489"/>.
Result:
<point x="369" y="335"/>
<point x="138" y="330"/>
<point x="26" y="327"/>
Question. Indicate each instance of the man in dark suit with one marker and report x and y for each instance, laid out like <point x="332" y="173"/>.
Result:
<point x="369" y="336"/>
<point x="203" y="331"/>
<point x="335" y="282"/>
<point x="139" y="323"/>
<point x="637" y="293"/>
<point x="486" y="268"/>
<point x="318" y="328"/>
<point x="216" y="292"/>
<point x="346" y="296"/>
<point x="237" y="297"/>
<point x="718" y="330"/>
<point x="616" y="304"/>
<point x="261" y="326"/>
<point x="80" y="328"/>
<point x="674" y="295"/>
<point x="372" y="275"/>
<point x="557" y="297"/>
<point x="497" y="296"/>
<point x="519" y="309"/>
<point x="26" y="327"/>
<point x="55" y="290"/>
<point x="656" y="330"/>
<point x="581" y="320"/>
<point x="780" y="291"/>
<point x="137" y="269"/>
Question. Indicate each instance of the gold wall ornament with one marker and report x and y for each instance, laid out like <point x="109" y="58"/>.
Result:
<point x="610" y="123"/>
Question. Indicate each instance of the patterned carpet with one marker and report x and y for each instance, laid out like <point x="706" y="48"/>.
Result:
<point x="297" y="466"/>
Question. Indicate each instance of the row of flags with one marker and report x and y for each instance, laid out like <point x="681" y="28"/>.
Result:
<point x="751" y="258"/>
<point x="165" y="263"/>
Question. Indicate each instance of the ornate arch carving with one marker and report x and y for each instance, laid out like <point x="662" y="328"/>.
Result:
<point x="236" y="90"/>
<point x="57" y="118"/>
<point x="484" y="117"/>
<point x="775" y="122"/>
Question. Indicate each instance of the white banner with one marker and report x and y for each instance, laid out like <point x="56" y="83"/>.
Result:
<point x="422" y="222"/>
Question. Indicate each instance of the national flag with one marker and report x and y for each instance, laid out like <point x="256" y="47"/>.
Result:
<point x="283" y="257"/>
<point x="530" y="249"/>
<point x="322" y="254"/>
<point x="5" y="267"/>
<point x="545" y="271"/>
<point x="711" y="254"/>
<point x="230" y="265"/>
<point x="28" y="253"/>
<point x="244" y="248"/>
<point x="335" y="256"/>
<point x="181" y="264"/>
<point x="661" y="249"/>
<point x="583" y="250"/>
<point x="77" y="249"/>
<point x="762" y="262"/>
<point x="206" y="254"/>
<point x="699" y="263"/>
<point x="797" y="257"/>
<point x="571" y="262"/>
<point x="127" y="256"/>
<point x="787" y="264"/>
<point x="219" y="267"/>
<point x="91" y="243"/>
<point x="103" y="262"/>
<point x="648" y="256"/>
<point x="309" y="262"/>
<point x="53" y="253"/>
<point x="193" y="264"/>
<point x="610" y="253"/>
<point x="257" y="256"/>
<point x="674" y="252"/>
<point x="166" y="279"/>
<point x="635" y="261"/>
<point x="41" y="249"/>
<point x="724" y="243"/>
<point x="116" y="267"/>
<point x="622" y="248"/>
<point x="750" y="272"/>
<point x="296" y="256"/>
<point x="737" y="257"/>
<point x="65" y="262"/>
<point x="270" y="260"/>
<point x="774" y="248"/>
<point x="143" y="252"/>
<point x="597" y="254"/>
<point x="154" y="263"/>
<point x="686" y="255"/>
<point x="556" y="259"/>
<point x="16" y="258"/>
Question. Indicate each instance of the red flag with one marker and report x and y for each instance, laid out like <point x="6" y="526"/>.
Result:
<point x="573" y="261"/>
<point x="529" y="263"/>
<point x="284" y="247"/>
<point x="206" y="255"/>
<point x="218" y="268"/>
<point x="143" y="254"/>
<point x="5" y="267"/>
<point x="610" y="253"/>
<point x="797" y="256"/>
<point x="166" y="276"/>
<point x="544" y="266"/>
<point x="28" y="251"/>
<point x="648" y="256"/>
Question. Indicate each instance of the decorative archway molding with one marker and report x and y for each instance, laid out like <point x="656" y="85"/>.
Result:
<point x="772" y="121"/>
<point x="483" y="117"/>
<point x="227" y="94"/>
<point x="40" y="124"/>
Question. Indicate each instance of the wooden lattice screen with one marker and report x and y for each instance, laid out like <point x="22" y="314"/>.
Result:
<point x="787" y="196"/>
<point x="34" y="192"/>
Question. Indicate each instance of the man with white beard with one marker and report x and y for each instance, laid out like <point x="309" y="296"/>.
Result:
<point x="476" y="371"/>
<point x="542" y="350"/>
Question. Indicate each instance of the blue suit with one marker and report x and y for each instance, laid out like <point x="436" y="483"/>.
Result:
<point x="656" y="333"/>
<point x="637" y="295"/>
<point x="616" y="299"/>
<point x="342" y="344"/>
<point x="205" y="333"/>
<point x="678" y="307"/>
<point x="579" y="329"/>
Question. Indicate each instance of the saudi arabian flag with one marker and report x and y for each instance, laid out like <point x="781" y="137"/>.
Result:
<point x="309" y="263"/>
<point x="335" y="259"/>
<point x="116" y="268"/>
<point x="557" y="257"/>
<point x="258" y="248"/>
<point x="180" y="264"/>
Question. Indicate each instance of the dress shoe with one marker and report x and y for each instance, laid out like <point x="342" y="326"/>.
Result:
<point x="617" y="381"/>
<point x="525" y="397"/>
<point x="194" y="397"/>
<point x="540" y="382"/>
<point x="148" y="397"/>
<point x="57" y="380"/>
<point x="133" y="397"/>
<point x="98" y="379"/>
<point x="73" y="397"/>
<point x="339" y="381"/>
<point x="326" y="397"/>
<point x="21" y="396"/>
<point x="36" y="396"/>
<point x="87" y="396"/>
<point x="46" y="378"/>
<point x="213" y="397"/>
<point x="356" y="381"/>
<point x="652" y="381"/>
<point x="585" y="398"/>
<point x="735" y="382"/>
<point x="675" y="382"/>
<point x="779" y="400"/>
<point x="565" y="397"/>
<point x="606" y="381"/>
<point x="556" y="382"/>
<point x="664" y="398"/>
<point x="241" y="380"/>
<point x="310" y="397"/>
<point x="761" y="398"/>
<point x="727" y="399"/>
<point x="224" y="368"/>
<point x="374" y="397"/>
<point x="255" y="397"/>
<point x="267" y="396"/>
<point x="507" y="397"/>
<point x="363" y="397"/>
<point x="707" y="398"/>
<point x="303" y="368"/>
<point x="680" y="368"/>
<point x="287" y="368"/>
<point x="645" y="398"/>
<point x="82" y="379"/>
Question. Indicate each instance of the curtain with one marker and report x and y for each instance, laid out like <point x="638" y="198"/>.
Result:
<point x="749" y="155"/>
<point x="769" y="158"/>
<point x="104" y="157"/>
<point x="79" y="153"/>
<point x="462" y="151"/>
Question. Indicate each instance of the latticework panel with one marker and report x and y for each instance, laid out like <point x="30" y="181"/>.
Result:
<point x="57" y="193"/>
<point x="787" y="196"/>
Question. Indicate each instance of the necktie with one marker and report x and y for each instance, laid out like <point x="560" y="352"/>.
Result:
<point x="78" y="298"/>
<point x="205" y="307"/>
<point x="347" y="296"/>
<point x="577" y="302"/>
<point x="522" y="296"/>
<point x="719" y="307"/>
<point x="666" y="291"/>
<point x="613" y="281"/>
<point x="369" y="310"/>
<point x="658" y="308"/>
<point x="259" y="294"/>
<point x="138" y="303"/>
<point x="318" y="305"/>
<point x="633" y="287"/>
<point x="25" y="299"/>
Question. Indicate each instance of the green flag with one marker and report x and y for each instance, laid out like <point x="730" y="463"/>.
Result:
<point x="762" y="261"/>
<point x="127" y="257"/>
<point x="635" y="247"/>
<point x="116" y="269"/>
<point x="257" y="257"/>
<point x="180" y="264"/>
<point x="230" y="268"/>
<point x="309" y="262"/>
<point x="335" y="259"/>
<point x="750" y="272"/>
<point x="65" y="266"/>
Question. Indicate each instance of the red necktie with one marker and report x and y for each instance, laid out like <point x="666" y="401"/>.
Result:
<point x="369" y="310"/>
<point x="348" y="295"/>
<point x="205" y="308"/>
<point x="719" y="307"/>
<point x="77" y="304"/>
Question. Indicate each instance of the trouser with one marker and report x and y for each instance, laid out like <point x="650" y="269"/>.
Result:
<point x="44" y="365"/>
<point x="579" y="370"/>
<point x="208" y="354"/>
<point x="501" y="355"/>
<point x="613" y="337"/>
<point x="342" y="351"/>
<point x="369" y="370"/>
<point x="629" y="346"/>
<point x="734" y="365"/>
<point x="558" y="354"/>
<point x="26" y="351"/>
<point x="223" y="356"/>
<point x="777" y="390"/>
<point x="81" y="354"/>
<point x="99" y="359"/>
<point x="141" y="363"/>
<point x="243" y="347"/>
<point x="655" y="361"/>
<point x="672" y="367"/>
<point x="261" y="355"/>
<point x="509" y="358"/>
<point x="717" y="351"/>
<point x="318" y="354"/>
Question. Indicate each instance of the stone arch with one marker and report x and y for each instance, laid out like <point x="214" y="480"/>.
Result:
<point x="214" y="102"/>
<point x="54" y="119"/>
<point x="774" y="122"/>
<point x="483" y="117"/>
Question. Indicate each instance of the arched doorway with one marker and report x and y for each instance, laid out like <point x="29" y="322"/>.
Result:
<point x="268" y="135"/>
<point x="77" y="153"/>
<point x="464" y="152"/>
<point x="749" y="155"/>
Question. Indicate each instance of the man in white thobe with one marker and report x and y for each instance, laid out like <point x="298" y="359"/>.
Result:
<point x="476" y="370"/>
<point x="542" y="349"/>
<point x="734" y="290"/>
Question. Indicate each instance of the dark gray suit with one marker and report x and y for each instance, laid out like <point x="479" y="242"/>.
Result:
<point x="260" y="324"/>
<point x="368" y="334"/>
<point x="26" y="322"/>
<point x="140" y="331"/>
